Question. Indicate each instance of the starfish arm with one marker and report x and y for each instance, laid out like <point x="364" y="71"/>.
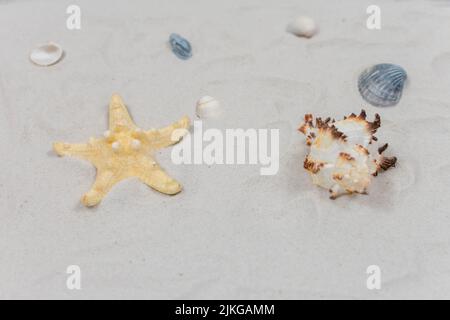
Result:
<point x="158" y="179"/>
<point x="118" y="114"/>
<point x="80" y="150"/>
<point x="104" y="182"/>
<point x="169" y="135"/>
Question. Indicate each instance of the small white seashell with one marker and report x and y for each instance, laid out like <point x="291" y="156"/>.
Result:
<point x="208" y="107"/>
<point x="303" y="27"/>
<point x="47" y="54"/>
<point x="135" y="144"/>
<point x="107" y="134"/>
<point x="116" y="146"/>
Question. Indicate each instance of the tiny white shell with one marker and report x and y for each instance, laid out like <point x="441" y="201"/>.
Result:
<point x="208" y="107"/>
<point x="47" y="54"/>
<point x="107" y="134"/>
<point x="303" y="27"/>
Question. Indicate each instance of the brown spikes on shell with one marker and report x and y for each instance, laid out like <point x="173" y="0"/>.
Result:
<point x="341" y="158"/>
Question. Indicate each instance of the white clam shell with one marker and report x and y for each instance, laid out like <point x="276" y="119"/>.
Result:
<point x="47" y="54"/>
<point x="208" y="107"/>
<point x="303" y="26"/>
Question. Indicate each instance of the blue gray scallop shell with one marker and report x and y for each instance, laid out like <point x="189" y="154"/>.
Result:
<point x="180" y="46"/>
<point x="382" y="84"/>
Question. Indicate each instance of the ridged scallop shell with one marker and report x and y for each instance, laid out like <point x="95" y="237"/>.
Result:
<point x="47" y="54"/>
<point x="180" y="46"/>
<point x="382" y="85"/>
<point x="343" y="157"/>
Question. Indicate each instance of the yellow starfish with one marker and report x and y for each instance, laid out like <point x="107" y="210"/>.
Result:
<point x="125" y="152"/>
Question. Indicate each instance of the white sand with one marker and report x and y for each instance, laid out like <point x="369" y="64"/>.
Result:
<point x="232" y="233"/>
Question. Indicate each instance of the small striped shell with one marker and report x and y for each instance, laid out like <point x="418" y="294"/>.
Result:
<point x="382" y="84"/>
<point x="342" y="157"/>
<point x="180" y="46"/>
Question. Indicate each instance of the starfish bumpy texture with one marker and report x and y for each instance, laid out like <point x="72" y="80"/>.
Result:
<point x="125" y="152"/>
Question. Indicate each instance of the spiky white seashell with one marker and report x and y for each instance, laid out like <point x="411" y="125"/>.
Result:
<point x="341" y="158"/>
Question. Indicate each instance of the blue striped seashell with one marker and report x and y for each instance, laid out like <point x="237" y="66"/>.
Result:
<point x="382" y="84"/>
<point x="180" y="46"/>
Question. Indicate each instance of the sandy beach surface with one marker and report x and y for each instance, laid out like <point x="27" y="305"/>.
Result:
<point x="231" y="233"/>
